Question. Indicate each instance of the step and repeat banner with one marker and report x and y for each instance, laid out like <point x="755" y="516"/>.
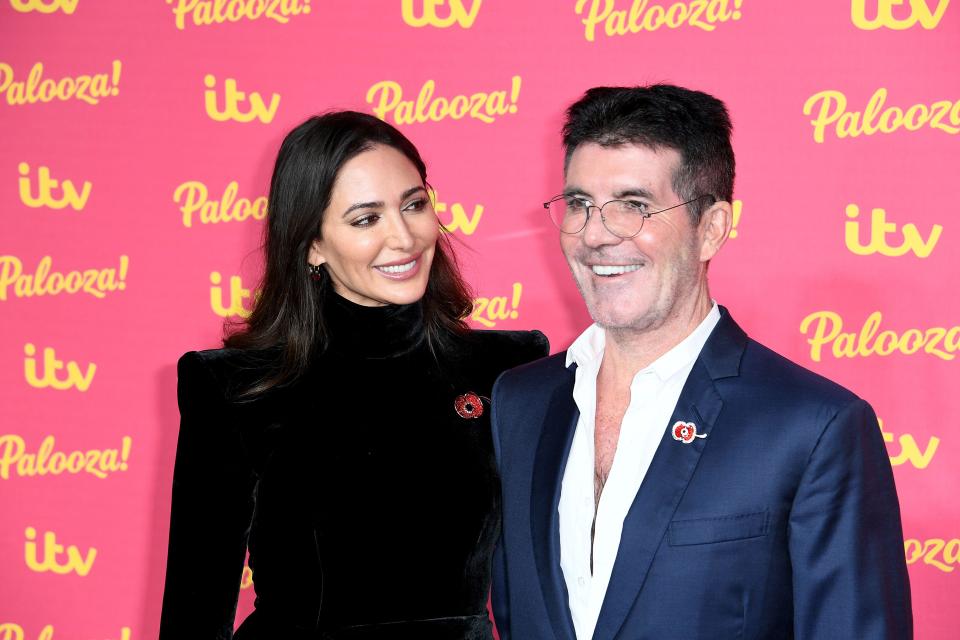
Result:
<point x="138" y="141"/>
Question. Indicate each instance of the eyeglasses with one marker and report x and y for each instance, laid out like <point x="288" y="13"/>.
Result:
<point x="622" y="218"/>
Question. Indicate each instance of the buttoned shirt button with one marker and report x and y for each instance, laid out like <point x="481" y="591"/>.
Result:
<point x="581" y="581"/>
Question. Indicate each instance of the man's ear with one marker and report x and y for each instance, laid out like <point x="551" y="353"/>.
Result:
<point x="715" y="225"/>
<point x="316" y="253"/>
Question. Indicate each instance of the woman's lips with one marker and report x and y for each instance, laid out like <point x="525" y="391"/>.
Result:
<point x="401" y="269"/>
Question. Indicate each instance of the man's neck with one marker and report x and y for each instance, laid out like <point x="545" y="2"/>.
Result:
<point x="628" y="351"/>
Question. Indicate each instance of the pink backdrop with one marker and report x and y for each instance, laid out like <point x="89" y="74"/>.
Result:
<point x="138" y="140"/>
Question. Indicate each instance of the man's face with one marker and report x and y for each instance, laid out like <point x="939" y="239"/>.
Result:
<point x="661" y="268"/>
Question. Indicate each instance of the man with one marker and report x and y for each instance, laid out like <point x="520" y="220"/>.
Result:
<point x="667" y="476"/>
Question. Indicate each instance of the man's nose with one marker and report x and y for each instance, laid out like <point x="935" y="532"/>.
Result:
<point x="595" y="233"/>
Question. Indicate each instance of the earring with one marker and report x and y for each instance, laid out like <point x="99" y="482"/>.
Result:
<point x="316" y="271"/>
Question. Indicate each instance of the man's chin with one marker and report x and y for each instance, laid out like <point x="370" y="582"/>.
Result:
<point x="608" y="317"/>
<point x="612" y="316"/>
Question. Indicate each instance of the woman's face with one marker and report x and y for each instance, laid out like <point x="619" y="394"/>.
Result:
<point x="379" y="234"/>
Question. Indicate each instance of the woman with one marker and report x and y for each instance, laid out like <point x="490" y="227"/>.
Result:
<point x="343" y="436"/>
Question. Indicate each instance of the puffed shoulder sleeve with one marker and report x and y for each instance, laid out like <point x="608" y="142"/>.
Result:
<point x="213" y="485"/>
<point x="524" y="347"/>
<point x="538" y="344"/>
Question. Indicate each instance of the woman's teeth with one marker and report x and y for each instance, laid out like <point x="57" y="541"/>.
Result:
<point x="400" y="268"/>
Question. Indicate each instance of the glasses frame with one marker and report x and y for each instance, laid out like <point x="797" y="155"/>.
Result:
<point x="599" y="207"/>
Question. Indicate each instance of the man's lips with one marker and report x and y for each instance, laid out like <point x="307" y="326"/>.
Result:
<point x="613" y="269"/>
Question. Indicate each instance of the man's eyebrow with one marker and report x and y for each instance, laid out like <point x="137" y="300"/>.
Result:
<point x="575" y="191"/>
<point x="379" y="203"/>
<point x="637" y="192"/>
<point x="634" y="192"/>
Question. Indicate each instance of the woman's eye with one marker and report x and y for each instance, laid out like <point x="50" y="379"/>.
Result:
<point x="365" y="220"/>
<point x="416" y="205"/>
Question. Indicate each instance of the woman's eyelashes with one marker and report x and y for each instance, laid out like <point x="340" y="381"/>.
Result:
<point x="365" y="220"/>
<point x="370" y="218"/>
<point x="415" y="206"/>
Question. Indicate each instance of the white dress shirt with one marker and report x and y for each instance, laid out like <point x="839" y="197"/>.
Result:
<point x="653" y="396"/>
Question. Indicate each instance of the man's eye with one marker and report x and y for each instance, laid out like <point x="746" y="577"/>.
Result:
<point x="576" y="205"/>
<point x="365" y="220"/>
<point x="633" y="206"/>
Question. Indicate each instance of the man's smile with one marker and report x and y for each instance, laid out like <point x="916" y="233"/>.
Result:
<point x="608" y="270"/>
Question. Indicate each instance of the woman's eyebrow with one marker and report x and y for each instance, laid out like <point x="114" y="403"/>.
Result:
<point x="379" y="203"/>
<point x="412" y="190"/>
<point x="363" y="205"/>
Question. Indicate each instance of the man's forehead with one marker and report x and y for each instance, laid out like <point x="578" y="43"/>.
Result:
<point x="622" y="164"/>
<point x="625" y="146"/>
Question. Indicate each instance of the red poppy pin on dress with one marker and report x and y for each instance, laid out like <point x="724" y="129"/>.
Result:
<point x="468" y="406"/>
<point x="685" y="432"/>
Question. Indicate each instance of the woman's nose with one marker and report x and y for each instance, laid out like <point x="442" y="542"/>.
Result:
<point x="400" y="237"/>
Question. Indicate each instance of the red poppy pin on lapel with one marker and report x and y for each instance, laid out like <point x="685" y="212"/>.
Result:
<point x="468" y="406"/>
<point x="685" y="432"/>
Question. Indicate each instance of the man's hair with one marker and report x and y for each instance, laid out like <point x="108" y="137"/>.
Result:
<point x="659" y="116"/>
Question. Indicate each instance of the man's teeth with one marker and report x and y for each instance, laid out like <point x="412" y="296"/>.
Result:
<point x="613" y="270"/>
<point x="400" y="268"/>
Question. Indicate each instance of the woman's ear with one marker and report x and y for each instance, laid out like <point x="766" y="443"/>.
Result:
<point x="715" y="225"/>
<point x="315" y="256"/>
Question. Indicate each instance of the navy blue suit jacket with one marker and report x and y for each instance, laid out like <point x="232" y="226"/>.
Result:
<point x="782" y="523"/>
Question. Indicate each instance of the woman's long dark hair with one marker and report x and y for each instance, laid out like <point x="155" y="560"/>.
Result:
<point x="287" y="318"/>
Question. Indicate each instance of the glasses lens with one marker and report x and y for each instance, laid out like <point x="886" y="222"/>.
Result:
<point x="568" y="214"/>
<point x="623" y="218"/>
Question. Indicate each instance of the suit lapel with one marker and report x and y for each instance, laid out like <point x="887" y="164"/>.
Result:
<point x="556" y="437"/>
<point x="669" y="474"/>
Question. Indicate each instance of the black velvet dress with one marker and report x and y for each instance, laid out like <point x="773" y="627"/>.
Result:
<point x="369" y="504"/>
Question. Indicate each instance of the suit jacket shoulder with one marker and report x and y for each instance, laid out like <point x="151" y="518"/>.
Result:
<point x="522" y="397"/>
<point x="768" y="369"/>
<point x="539" y="376"/>
<point x="798" y="396"/>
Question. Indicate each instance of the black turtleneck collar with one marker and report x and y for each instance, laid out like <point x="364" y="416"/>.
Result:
<point x="372" y="332"/>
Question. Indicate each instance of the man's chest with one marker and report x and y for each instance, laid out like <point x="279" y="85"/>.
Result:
<point x="612" y="405"/>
